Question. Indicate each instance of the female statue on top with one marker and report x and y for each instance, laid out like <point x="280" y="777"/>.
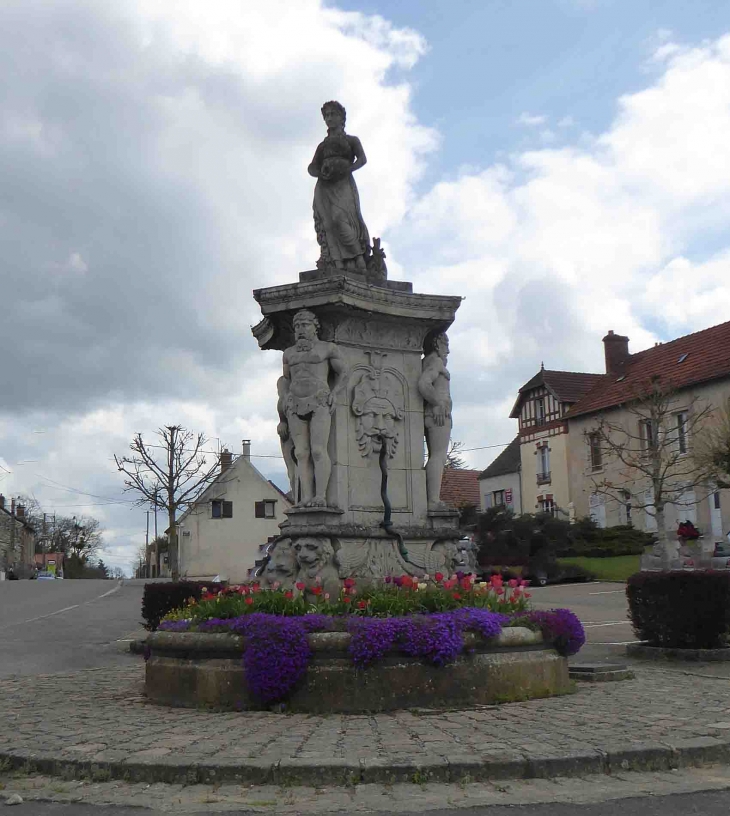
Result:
<point x="341" y="231"/>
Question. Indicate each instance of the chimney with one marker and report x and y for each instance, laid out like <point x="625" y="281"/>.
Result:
<point x="20" y="511"/>
<point x="616" y="349"/>
<point x="226" y="459"/>
<point x="246" y="446"/>
<point x="2" y="502"/>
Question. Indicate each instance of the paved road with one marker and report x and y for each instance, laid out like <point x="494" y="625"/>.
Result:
<point x="48" y="627"/>
<point x="689" y="792"/>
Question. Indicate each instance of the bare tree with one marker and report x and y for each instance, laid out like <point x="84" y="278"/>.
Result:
<point x="712" y="447"/>
<point x="171" y="479"/>
<point x="649" y="448"/>
<point x="453" y="456"/>
<point x="71" y="535"/>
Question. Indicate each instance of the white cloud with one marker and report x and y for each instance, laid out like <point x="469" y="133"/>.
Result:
<point x="531" y="119"/>
<point x="555" y="246"/>
<point x="154" y="162"/>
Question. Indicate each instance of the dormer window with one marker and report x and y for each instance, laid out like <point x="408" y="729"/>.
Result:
<point x="540" y="411"/>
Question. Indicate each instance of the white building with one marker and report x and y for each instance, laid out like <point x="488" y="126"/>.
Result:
<point x="223" y="532"/>
<point x="500" y="485"/>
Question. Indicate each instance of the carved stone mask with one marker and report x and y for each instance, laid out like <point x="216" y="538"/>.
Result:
<point x="313" y="553"/>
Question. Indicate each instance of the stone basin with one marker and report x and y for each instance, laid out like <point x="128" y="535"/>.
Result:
<point x="202" y="670"/>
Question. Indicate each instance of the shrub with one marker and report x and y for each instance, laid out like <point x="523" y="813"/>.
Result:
<point x="159" y="599"/>
<point x="684" y="610"/>
<point x="536" y="539"/>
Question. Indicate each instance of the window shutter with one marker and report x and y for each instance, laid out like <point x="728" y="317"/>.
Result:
<point x="259" y="510"/>
<point x="227" y="509"/>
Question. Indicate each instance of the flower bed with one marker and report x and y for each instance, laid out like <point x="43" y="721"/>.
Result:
<point x="447" y="642"/>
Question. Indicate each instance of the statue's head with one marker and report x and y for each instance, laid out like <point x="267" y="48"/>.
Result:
<point x="313" y="553"/>
<point x="438" y="343"/>
<point x="334" y="114"/>
<point x="306" y="325"/>
<point x="282" y="564"/>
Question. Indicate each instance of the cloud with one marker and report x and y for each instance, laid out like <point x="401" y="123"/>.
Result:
<point x="530" y="119"/>
<point x="556" y="245"/>
<point x="154" y="163"/>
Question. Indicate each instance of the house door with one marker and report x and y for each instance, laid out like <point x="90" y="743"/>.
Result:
<point x="715" y="514"/>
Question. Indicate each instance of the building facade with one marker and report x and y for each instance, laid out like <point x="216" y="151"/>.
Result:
<point x="541" y="408"/>
<point x="17" y="539"/>
<point x="224" y="531"/>
<point x="500" y="484"/>
<point x="695" y="373"/>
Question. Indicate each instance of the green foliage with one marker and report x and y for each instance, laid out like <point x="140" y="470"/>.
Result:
<point x="398" y="597"/>
<point x="617" y="568"/>
<point x="682" y="609"/>
<point x="535" y="540"/>
<point x="159" y="599"/>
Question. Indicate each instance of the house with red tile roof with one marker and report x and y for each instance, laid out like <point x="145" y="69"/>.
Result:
<point x="695" y="371"/>
<point x="460" y="488"/>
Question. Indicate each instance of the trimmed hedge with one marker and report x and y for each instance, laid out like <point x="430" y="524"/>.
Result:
<point x="159" y="599"/>
<point x="682" y="609"/>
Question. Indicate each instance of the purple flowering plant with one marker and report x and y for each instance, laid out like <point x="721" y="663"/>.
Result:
<point x="425" y="619"/>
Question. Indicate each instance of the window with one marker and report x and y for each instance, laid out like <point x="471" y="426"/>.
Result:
<point x="594" y="444"/>
<point x="681" y="424"/>
<point x="625" y="508"/>
<point x="543" y="464"/>
<point x="498" y="498"/>
<point x="547" y="506"/>
<point x="540" y="411"/>
<point x="265" y="509"/>
<point x="648" y="435"/>
<point x="597" y="505"/>
<point x="221" y="509"/>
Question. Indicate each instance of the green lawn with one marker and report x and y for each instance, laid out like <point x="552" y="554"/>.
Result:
<point x="617" y="568"/>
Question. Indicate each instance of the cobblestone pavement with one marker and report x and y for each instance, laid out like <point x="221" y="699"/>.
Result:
<point x="98" y="722"/>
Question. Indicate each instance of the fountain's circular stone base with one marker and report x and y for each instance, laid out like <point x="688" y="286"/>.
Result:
<point x="195" y="670"/>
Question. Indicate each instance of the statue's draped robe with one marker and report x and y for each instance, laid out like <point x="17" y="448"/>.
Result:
<point x="338" y="220"/>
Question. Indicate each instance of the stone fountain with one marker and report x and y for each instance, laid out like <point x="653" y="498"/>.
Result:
<point x="364" y="384"/>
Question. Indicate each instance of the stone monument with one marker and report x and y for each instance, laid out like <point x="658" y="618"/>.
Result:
<point x="364" y="385"/>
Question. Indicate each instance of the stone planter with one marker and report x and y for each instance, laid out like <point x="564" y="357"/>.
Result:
<point x="193" y="670"/>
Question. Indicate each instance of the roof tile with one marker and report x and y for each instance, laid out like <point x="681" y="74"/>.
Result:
<point x="460" y="487"/>
<point x="704" y="355"/>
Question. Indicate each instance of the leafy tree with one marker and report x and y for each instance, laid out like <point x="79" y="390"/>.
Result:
<point x="171" y="479"/>
<point x="646" y="455"/>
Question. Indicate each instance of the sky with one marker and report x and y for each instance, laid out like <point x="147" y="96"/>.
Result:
<point x="564" y="165"/>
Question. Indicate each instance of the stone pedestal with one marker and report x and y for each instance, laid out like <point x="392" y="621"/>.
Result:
<point x="380" y="332"/>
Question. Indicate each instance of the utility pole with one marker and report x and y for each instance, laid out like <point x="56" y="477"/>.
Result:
<point x="12" y="535"/>
<point x="147" y="543"/>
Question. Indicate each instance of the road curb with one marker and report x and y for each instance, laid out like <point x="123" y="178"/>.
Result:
<point x="340" y="772"/>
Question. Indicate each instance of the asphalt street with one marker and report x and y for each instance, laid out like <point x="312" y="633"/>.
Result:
<point x="48" y="627"/>
<point x="699" y="803"/>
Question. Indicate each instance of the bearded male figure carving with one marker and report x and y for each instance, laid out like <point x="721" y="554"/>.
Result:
<point x="308" y="402"/>
<point x="435" y="389"/>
